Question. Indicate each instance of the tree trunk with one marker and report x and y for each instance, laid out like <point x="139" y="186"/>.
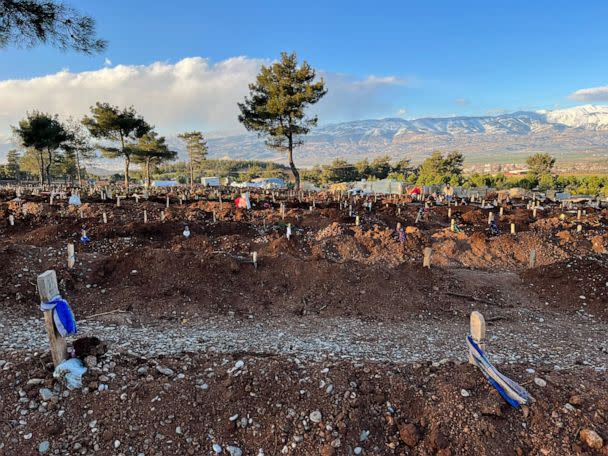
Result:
<point x="148" y="173"/>
<point x="78" y="169"/>
<point x="191" y="175"/>
<point x="41" y="164"/>
<point x="127" y="162"/>
<point x="294" y="170"/>
<point x="48" y="166"/>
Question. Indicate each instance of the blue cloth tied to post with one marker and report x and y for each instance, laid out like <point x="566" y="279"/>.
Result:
<point x="512" y="392"/>
<point x="62" y="315"/>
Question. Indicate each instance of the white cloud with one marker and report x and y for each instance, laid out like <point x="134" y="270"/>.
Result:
<point x="401" y="112"/>
<point x="591" y="94"/>
<point x="191" y="93"/>
<point x="107" y="62"/>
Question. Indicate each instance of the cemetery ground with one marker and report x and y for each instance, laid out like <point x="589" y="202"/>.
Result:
<point x="336" y="342"/>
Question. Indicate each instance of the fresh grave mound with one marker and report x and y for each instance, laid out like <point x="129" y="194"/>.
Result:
<point x="573" y="285"/>
<point x="244" y="404"/>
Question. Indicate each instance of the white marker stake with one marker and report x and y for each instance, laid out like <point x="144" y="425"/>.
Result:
<point x="214" y="217"/>
<point x="48" y="289"/>
<point x="501" y="211"/>
<point x="104" y="217"/>
<point x="118" y="201"/>
<point x="288" y="232"/>
<point x="426" y="262"/>
<point x="532" y="262"/>
<point x="162" y="216"/>
<point x="357" y="220"/>
<point x="167" y="200"/>
<point x="11" y="220"/>
<point x="145" y="216"/>
<point x="254" y="257"/>
<point x="71" y="256"/>
<point x="490" y="217"/>
<point x="478" y="331"/>
<point x="512" y="228"/>
<point x="579" y="228"/>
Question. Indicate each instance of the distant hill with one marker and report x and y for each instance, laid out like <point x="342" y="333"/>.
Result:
<point x="578" y="134"/>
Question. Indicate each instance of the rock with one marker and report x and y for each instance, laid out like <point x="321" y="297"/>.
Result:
<point x="363" y="436"/>
<point x="575" y="399"/>
<point x="234" y="451"/>
<point x="46" y="394"/>
<point x="358" y="450"/>
<point x="315" y="416"/>
<point x="409" y="434"/>
<point x="44" y="447"/>
<point x="35" y="381"/>
<point x="116" y="443"/>
<point x="464" y="393"/>
<point x="327" y="450"/>
<point x="591" y="439"/>
<point x="165" y="371"/>
<point x="90" y="361"/>
<point x="540" y="382"/>
<point x="217" y="449"/>
<point x="239" y="364"/>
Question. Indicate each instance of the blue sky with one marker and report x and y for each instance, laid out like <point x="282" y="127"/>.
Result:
<point x="414" y="58"/>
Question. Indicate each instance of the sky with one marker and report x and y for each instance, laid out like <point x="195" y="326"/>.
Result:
<point x="186" y="63"/>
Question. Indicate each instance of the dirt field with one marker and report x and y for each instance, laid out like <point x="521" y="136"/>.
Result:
<point x="338" y="343"/>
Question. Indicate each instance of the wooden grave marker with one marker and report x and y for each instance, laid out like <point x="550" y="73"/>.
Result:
<point x="48" y="289"/>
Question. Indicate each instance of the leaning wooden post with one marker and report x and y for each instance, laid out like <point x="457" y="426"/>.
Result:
<point x="48" y="289"/>
<point x="532" y="262"/>
<point x="426" y="262"/>
<point x="71" y="256"/>
<point x="478" y="331"/>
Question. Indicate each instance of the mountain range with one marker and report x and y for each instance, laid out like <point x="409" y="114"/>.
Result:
<point x="572" y="135"/>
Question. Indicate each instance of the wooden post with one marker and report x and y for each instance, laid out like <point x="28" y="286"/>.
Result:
<point x="162" y="216"/>
<point x="11" y="220"/>
<point x="478" y="331"/>
<point x="167" y="200"/>
<point x="452" y="225"/>
<point x="512" y="228"/>
<point x="288" y="232"/>
<point x="449" y="212"/>
<point x="357" y="220"/>
<point x="490" y="217"/>
<point x="48" y="289"/>
<point x="254" y="258"/>
<point x="426" y="262"/>
<point x="136" y="198"/>
<point x="214" y="217"/>
<point x="579" y="228"/>
<point x="145" y="216"/>
<point x="118" y="201"/>
<point x="71" y="256"/>
<point x="501" y="211"/>
<point x="104" y="217"/>
<point x="578" y="215"/>
<point x="532" y="262"/>
<point x="534" y="212"/>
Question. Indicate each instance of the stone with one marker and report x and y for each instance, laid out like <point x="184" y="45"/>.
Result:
<point x="409" y="434"/>
<point x="315" y="416"/>
<point x="358" y="450"/>
<point x="165" y="371"/>
<point x="540" y="382"/>
<point x="464" y="393"/>
<point x="90" y="361"/>
<point x="217" y="449"/>
<point x="234" y="451"/>
<point x="44" y="447"/>
<point x="46" y="394"/>
<point x="591" y="439"/>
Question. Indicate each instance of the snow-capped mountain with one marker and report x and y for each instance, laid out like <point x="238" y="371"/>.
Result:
<point x="573" y="134"/>
<point x="579" y="130"/>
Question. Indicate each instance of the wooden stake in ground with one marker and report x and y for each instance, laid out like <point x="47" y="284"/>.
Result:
<point x="118" y="201"/>
<point x="288" y="232"/>
<point x="426" y="262"/>
<point x="167" y="200"/>
<point x="512" y="228"/>
<point x="11" y="220"/>
<point x="452" y="225"/>
<point x="48" y="289"/>
<point x="532" y="262"/>
<point x="145" y="216"/>
<point x="490" y="217"/>
<point x="71" y="256"/>
<point x="254" y="258"/>
<point x="162" y="216"/>
<point x="579" y="228"/>
<point x="449" y="212"/>
<point x="501" y="211"/>
<point x="478" y="331"/>
<point x="104" y="217"/>
<point x="357" y="220"/>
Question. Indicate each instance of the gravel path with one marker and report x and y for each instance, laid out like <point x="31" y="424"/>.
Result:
<point x="550" y="338"/>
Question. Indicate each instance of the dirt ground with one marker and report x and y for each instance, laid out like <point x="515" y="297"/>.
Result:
<point x="339" y="319"/>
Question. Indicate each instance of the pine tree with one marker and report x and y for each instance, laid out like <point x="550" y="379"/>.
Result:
<point x="276" y="104"/>
<point x="151" y="150"/>
<point x="196" y="146"/>
<point x="124" y="127"/>
<point x="12" y="167"/>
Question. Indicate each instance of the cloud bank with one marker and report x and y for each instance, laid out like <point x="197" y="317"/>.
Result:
<point x="591" y="94"/>
<point x="191" y="93"/>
